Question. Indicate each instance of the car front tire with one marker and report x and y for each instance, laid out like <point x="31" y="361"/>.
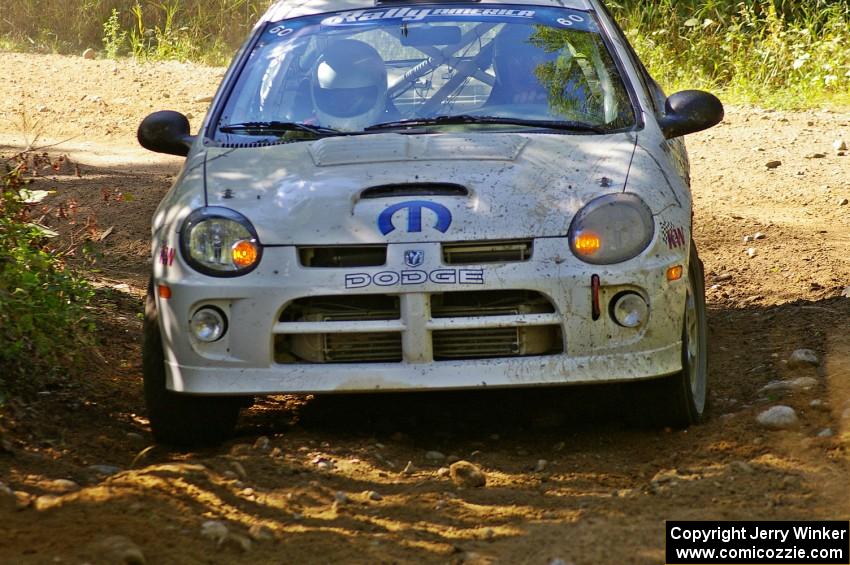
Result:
<point x="180" y="419"/>
<point x="679" y="400"/>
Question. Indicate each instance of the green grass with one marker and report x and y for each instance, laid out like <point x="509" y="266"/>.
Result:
<point x="780" y="53"/>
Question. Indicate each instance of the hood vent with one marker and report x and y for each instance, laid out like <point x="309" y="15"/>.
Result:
<point x="415" y="189"/>
<point x="254" y="144"/>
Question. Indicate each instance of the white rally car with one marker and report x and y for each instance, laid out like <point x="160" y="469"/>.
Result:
<point x="392" y="195"/>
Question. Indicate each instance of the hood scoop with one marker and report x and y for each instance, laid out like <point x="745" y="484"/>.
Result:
<point x="393" y="147"/>
<point x="415" y="189"/>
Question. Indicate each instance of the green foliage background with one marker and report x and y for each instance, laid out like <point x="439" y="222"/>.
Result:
<point x="772" y="52"/>
<point x="43" y="318"/>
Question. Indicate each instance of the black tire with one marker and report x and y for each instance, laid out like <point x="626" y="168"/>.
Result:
<point x="680" y="400"/>
<point x="180" y="419"/>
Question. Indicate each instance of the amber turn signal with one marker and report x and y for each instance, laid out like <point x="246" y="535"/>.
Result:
<point x="587" y="243"/>
<point x="164" y="291"/>
<point x="245" y="253"/>
<point x="675" y="273"/>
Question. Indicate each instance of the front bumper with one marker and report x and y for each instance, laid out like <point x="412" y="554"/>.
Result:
<point x="593" y="351"/>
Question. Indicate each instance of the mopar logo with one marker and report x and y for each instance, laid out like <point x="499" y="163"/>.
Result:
<point x="414" y="257"/>
<point x="414" y="216"/>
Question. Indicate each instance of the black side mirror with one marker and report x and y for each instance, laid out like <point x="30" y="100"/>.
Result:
<point x="690" y="111"/>
<point x="166" y="132"/>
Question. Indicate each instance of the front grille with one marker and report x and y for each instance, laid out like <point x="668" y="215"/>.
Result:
<point x="384" y="347"/>
<point x="368" y="328"/>
<point x="497" y="342"/>
<point x="489" y="303"/>
<point x="343" y="256"/>
<point x="342" y="308"/>
<point x="473" y="253"/>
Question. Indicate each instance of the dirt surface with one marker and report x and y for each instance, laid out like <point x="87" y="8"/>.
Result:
<point x="566" y="479"/>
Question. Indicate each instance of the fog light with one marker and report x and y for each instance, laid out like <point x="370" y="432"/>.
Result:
<point x="208" y="324"/>
<point x="629" y="309"/>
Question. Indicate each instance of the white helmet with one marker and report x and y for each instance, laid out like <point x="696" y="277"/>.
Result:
<point x="349" y="86"/>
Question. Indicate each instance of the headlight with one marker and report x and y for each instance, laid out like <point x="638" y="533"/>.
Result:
<point x="220" y="242"/>
<point x="611" y="229"/>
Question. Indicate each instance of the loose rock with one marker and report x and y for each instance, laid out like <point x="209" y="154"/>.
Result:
<point x="434" y="456"/>
<point x="759" y="235"/>
<point x="46" y="502"/>
<point x="540" y="466"/>
<point x="803" y="358"/>
<point x="741" y="466"/>
<point x="341" y="498"/>
<point x="778" y="418"/>
<point x="262" y="443"/>
<point x="443" y="472"/>
<point x="373" y="495"/>
<point x="237" y="541"/>
<point x="120" y="549"/>
<point x="799" y="383"/>
<point x="202" y="99"/>
<point x="751" y="252"/>
<point x="89" y="54"/>
<point x="61" y="486"/>
<point x="839" y="145"/>
<point x="105" y="469"/>
<point x="773" y="164"/>
<point x="214" y="530"/>
<point x="466" y="474"/>
<point x="409" y="469"/>
<point x="239" y="470"/>
<point x="843" y="202"/>
<point x="826" y="432"/>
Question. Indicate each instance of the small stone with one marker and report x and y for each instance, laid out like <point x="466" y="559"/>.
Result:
<point x="434" y="456"/>
<point x="741" y="466"/>
<point x="815" y="155"/>
<point x="373" y="495"/>
<point x="826" y="432"/>
<point x="540" y="466"/>
<point x="558" y="561"/>
<point x="773" y="164"/>
<point x="839" y="145"/>
<point x="452" y="458"/>
<point x="105" y="469"/>
<point x="818" y="404"/>
<point x="800" y="383"/>
<point x="325" y="466"/>
<point x="214" y="530"/>
<point x="120" y="549"/>
<point x="260" y="532"/>
<point x="62" y="486"/>
<point x="803" y="358"/>
<point x="202" y="99"/>
<point x="759" y="235"/>
<point x="262" y="444"/>
<point x="135" y="439"/>
<point x="409" y="469"/>
<point x="778" y="418"/>
<point x="443" y="472"/>
<point x="748" y="238"/>
<point x="239" y="470"/>
<point x="23" y="499"/>
<point x="341" y="498"/>
<point x="466" y="474"/>
<point x="276" y="452"/>
<point x="89" y="54"/>
<point x="843" y="201"/>
<point x="723" y="277"/>
<point x="751" y="252"/>
<point x="46" y="502"/>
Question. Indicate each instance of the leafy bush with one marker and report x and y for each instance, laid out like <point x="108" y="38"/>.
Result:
<point x="779" y="53"/>
<point x="43" y="322"/>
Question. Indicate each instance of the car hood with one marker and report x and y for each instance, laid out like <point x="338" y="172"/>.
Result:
<point x="508" y="186"/>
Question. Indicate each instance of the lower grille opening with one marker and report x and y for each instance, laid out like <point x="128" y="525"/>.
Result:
<point x="342" y="308"/>
<point x="472" y="253"/>
<point x="343" y="256"/>
<point x="382" y="347"/>
<point x="497" y="342"/>
<point x="489" y="303"/>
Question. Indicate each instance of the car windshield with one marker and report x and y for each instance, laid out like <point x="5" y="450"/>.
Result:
<point x="429" y="65"/>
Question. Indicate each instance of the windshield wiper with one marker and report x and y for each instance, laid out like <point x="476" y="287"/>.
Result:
<point x="468" y="119"/>
<point x="264" y="128"/>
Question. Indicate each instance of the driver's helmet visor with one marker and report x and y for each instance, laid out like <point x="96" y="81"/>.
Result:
<point x="346" y="102"/>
